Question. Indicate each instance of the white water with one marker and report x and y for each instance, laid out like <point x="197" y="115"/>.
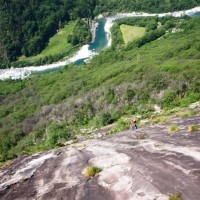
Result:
<point x="110" y="20"/>
<point x="84" y="52"/>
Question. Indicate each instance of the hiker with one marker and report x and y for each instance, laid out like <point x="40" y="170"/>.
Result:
<point x="134" y="124"/>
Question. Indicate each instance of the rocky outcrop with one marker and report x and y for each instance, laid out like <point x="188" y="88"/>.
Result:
<point x="145" y="164"/>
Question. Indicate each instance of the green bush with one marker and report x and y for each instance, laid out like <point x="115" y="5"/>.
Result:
<point x="192" y="128"/>
<point x="175" y="197"/>
<point x="173" y="128"/>
<point x="57" y="132"/>
<point x="122" y="125"/>
<point x="91" y="171"/>
<point x="105" y="119"/>
<point x="169" y="97"/>
<point x="81" y="34"/>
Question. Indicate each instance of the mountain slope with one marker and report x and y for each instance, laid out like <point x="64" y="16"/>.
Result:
<point x="133" y="167"/>
<point x="40" y="112"/>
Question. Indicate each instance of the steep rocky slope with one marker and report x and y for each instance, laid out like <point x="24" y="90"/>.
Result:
<point x="146" y="164"/>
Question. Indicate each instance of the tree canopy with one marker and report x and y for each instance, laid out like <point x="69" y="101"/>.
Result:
<point x="26" y="26"/>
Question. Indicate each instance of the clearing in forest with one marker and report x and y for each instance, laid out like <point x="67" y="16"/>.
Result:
<point x="57" y="44"/>
<point x="131" y="33"/>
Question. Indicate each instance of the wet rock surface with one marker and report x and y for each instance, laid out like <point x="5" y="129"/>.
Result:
<point x="133" y="168"/>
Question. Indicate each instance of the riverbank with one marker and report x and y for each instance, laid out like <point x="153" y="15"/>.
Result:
<point x="111" y="19"/>
<point x="93" y="28"/>
<point x="21" y="73"/>
<point x="85" y="52"/>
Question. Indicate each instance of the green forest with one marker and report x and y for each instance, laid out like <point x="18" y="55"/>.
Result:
<point x="43" y="111"/>
<point x="26" y="26"/>
<point x="156" y="6"/>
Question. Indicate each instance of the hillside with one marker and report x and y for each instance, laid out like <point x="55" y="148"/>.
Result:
<point x="26" y="27"/>
<point x="155" y="6"/>
<point x="145" y="164"/>
<point x="42" y="112"/>
<point x="66" y="134"/>
<point x="57" y="44"/>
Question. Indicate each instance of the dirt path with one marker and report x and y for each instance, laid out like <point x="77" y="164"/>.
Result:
<point x="132" y="169"/>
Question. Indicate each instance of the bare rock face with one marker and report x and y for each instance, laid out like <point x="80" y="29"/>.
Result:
<point x="133" y="168"/>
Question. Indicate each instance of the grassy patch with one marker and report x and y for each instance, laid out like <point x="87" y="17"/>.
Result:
<point x="121" y="125"/>
<point x="131" y="33"/>
<point x="176" y="196"/>
<point x="192" y="128"/>
<point x="173" y="128"/>
<point x="159" y="120"/>
<point x="57" y="44"/>
<point x="144" y="123"/>
<point x="189" y="114"/>
<point x="91" y="171"/>
<point x="5" y="164"/>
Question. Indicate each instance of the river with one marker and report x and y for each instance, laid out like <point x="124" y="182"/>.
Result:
<point x="102" y="40"/>
<point x="195" y="14"/>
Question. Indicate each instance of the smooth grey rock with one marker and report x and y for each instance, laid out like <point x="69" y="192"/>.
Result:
<point x="132" y="168"/>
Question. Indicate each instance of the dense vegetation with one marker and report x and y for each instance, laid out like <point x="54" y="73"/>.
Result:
<point x="154" y="27"/>
<point x="81" y="33"/>
<point x="44" y="111"/>
<point x="26" y="26"/>
<point x="57" y="48"/>
<point x="154" y="6"/>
